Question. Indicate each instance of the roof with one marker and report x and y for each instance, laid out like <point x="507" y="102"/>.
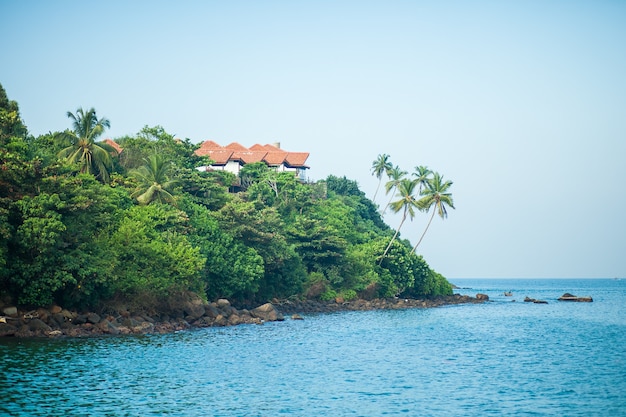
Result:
<point x="270" y="154"/>
<point x="297" y="159"/>
<point x="114" y="145"/>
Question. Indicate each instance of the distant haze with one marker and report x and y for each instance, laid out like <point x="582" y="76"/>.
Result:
<point x="521" y="104"/>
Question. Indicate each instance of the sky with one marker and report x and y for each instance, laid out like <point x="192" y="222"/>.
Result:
<point x="521" y="104"/>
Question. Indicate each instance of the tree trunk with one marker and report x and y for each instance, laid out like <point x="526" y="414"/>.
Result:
<point x="393" y="238"/>
<point x="425" y="230"/>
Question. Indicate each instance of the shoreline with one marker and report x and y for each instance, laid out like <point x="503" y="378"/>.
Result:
<point x="57" y="322"/>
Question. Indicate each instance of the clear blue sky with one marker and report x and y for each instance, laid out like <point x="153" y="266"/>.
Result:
<point x="521" y="103"/>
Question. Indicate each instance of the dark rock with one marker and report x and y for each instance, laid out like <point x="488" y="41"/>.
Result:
<point x="569" y="297"/>
<point x="529" y="300"/>
<point x="540" y="302"/>
<point x="93" y="318"/>
<point x="483" y="297"/>
<point x="80" y="319"/>
<point x="7" y="329"/>
<point x="37" y="324"/>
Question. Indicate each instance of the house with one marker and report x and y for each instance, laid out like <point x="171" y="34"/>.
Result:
<point x="234" y="156"/>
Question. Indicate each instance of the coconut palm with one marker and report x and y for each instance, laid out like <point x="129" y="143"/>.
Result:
<point x="81" y="147"/>
<point x="395" y="174"/>
<point x="155" y="183"/>
<point x="407" y="203"/>
<point x="437" y="197"/>
<point x="381" y="166"/>
<point x="422" y="176"/>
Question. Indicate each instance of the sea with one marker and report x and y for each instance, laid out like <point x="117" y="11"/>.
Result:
<point x="505" y="357"/>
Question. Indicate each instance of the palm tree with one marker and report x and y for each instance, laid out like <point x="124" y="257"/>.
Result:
<point x="380" y="166"/>
<point x="422" y="176"/>
<point x="154" y="179"/>
<point x="81" y="146"/>
<point x="435" y="194"/>
<point x="407" y="202"/>
<point x="395" y="174"/>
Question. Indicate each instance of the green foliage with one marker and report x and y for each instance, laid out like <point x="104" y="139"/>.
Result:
<point x="80" y="146"/>
<point x="154" y="182"/>
<point x="153" y="254"/>
<point x="80" y="240"/>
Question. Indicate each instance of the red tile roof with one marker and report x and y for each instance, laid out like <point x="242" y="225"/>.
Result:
<point x="249" y="157"/>
<point x="275" y="158"/>
<point x="297" y="159"/>
<point x="270" y="154"/>
<point x="236" y="147"/>
<point x="114" y="145"/>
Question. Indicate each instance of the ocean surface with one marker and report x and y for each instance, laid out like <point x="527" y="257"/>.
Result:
<point x="501" y="358"/>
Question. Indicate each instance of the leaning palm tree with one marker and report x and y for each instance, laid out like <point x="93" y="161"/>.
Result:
<point x="81" y="147"/>
<point x="380" y="166"/>
<point x="422" y="176"/>
<point x="435" y="195"/>
<point x="155" y="183"/>
<point x="407" y="203"/>
<point x="395" y="176"/>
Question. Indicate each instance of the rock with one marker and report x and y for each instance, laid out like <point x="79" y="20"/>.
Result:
<point x="10" y="311"/>
<point x="483" y="297"/>
<point x="296" y="317"/>
<point x="7" y="329"/>
<point x="93" y="318"/>
<point x="267" y="312"/>
<point x="220" y="321"/>
<point x="222" y="302"/>
<point x="68" y="314"/>
<point x="569" y="297"/>
<point x="508" y="294"/>
<point x="37" y="324"/>
<point x="55" y="309"/>
<point x="534" y="300"/>
<point x="193" y="307"/>
<point x="55" y="333"/>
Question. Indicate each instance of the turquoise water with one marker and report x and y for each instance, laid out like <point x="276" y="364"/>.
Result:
<point x="499" y="358"/>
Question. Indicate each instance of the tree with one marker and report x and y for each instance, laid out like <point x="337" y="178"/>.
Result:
<point x="11" y="125"/>
<point x="154" y="181"/>
<point x="422" y="176"/>
<point x="407" y="203"/>
<point x="395" y="175"/>
<point x="435" y="194"/>
<point x="380" y="166"/>
<point x="92" y="158"/>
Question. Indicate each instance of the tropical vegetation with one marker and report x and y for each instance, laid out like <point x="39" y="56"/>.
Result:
<point x="82" y="225"/>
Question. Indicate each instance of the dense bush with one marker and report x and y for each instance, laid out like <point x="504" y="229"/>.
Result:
<point x="66" y="237"/>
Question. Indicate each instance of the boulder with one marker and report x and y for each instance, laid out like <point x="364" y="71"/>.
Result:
<point x="7" y="329"/>
<point x="193" y="306"/>
<point x="267" y="312"/>
<point x="222" y="303"/>
<point x="55" y="309"/>
<point x="483" y="297"/>
<point x="37" y="324"/>
<point x="569" y="297"/>
<point x="10" y="311"/>
<point x="93" y="318"/>
<point x="296" y="317"/>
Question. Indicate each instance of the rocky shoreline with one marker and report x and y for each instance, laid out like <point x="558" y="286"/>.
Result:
<point x="193" y="313"/>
